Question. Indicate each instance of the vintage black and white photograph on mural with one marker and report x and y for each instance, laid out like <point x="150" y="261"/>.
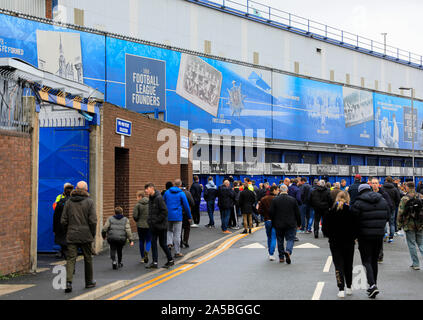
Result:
<point x="358" y="106"/>
<point x="199" y="83"/>
<point x="60" y="54"/>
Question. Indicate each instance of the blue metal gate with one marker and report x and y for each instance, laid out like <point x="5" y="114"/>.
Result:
<point x="63" y="157"/>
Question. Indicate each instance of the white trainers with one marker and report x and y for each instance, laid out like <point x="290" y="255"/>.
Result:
<point x="271" y="258"/>
<point x="194" y="225"/>
<point x="349" y="292"/>
<point x="341" y="294"/>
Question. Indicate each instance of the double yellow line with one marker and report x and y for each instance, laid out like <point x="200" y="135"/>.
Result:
<point x="128" y="294"/>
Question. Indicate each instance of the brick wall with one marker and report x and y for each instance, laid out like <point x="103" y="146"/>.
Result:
<point x="143" y="164"/>
<point x="15" y="202"/>
<point x="49" y="9"/>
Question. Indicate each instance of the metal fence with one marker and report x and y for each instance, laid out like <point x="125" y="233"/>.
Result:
<point x="15" y="105"/>
<point x="306" y="26"/>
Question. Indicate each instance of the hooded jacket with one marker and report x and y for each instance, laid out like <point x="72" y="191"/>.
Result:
<point x="176" y="201"/>
<point x="157" y="212"/>
<point x="140" y="213"/>
<point x="353" y="191"/>
<point x="295" y="192"/>
<point x="247" y="198"/>
<point x="79" y="219"/>
<point x="393" y="193"/>
<point x="372" y="212"/>
<point x="117" y="228"/>
<point x="405" y="221"/>
<point x="320" y="198"/>
<point x="210" y="191"/>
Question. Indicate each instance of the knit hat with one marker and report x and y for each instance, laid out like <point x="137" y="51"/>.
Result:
<point x="363" y="186"/>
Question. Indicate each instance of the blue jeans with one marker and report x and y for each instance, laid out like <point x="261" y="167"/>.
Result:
<point x="413" y="238"/>
<point x="305" y="216"/>
<point x="310" y="221"/>
<point x="289" y="236"/>
<point x="224" y="216"/>
<point x="210" y="211"/>
<point x="271" y="237"/>
<point x="144" y="236"/>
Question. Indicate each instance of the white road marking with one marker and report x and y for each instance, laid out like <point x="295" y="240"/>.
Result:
<point x="327" y="265"/>
<point x="318" y="291"/>
<point x="306" y="246"/>
<point x="253" y="246"/>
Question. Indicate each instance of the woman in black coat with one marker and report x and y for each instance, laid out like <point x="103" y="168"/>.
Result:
<point x="340" y="226"/>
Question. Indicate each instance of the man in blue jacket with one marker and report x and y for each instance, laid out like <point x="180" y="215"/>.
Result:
<point x="175" y="200"/>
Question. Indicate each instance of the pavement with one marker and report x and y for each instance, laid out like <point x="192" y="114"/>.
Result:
<point x="241" y="270"/>
<point x="40" y="286"/>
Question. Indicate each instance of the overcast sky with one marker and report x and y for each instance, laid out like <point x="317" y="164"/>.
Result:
<point x="402" y="20"/>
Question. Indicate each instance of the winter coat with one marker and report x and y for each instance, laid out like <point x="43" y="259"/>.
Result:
<point x="247" y="198"/>
<point x="340" y="225"/>
<point x="264" y="206"/>
<point x="320" y="199"/>
<point x="157" y="212"/>
<point x="261" y="193"/>
<point x="140" y="213"/>
<point x="284" y="212"/>
<point x="393" y="192"/>
<point x="388" y="199"/>
<point x="59" y="232"/>
<point x="353" y="191"/>
<point x="305" y="190"/>
<point x="196" y="191"/>
<point x="403" y="220"/>
<point x="79" y="219"/>
<point x="372" y="212"/>
<point x="294" y="192"/>
<point x="226" y="197"/>
<point x="191" y="204"/>
<point x="210" y="191"/>
<point x="176" y="200"/>
<point x="117" y="228"/>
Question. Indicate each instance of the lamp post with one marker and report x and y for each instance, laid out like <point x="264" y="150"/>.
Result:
<point x="412" y="122"/>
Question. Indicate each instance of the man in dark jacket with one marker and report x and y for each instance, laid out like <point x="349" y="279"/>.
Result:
<point x="186" y="222"/>
<point x="59" y="232"/>
<point x="79" y="221"/>
<point x="226" y="200"/>
<point x="371" y="212"/>
<point x="285" y="216"/>
<point x="196" y="190"/>
<point x="157" y="221"/>
<point x="353" y="189"/>
<point x="210" y="195"/>
<point x="321" y="201"/>
<point x="305" y="193"/>
<point x="395" y="196"/>
<point x="294" y="191"/>
<point x="247" y="200"/>
<point x="264" y="210"/>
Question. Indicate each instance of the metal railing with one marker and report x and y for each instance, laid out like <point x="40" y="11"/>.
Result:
<point x="14" y="107"/>
<point x="292" y="22"/>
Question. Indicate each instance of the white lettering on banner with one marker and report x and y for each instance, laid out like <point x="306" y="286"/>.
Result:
<point x="145" y="88"/>
<point x="6" y="49"/>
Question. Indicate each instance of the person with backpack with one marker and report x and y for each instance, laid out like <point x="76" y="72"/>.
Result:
<point x="59" y="232"/>
<point x="340" y="227"/>
<point x="410" y="218"/>
<point x="117" y="231"/>
<point x="140" y="215"/>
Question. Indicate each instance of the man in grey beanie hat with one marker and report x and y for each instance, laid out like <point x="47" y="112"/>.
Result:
<point x="371" y="213"/>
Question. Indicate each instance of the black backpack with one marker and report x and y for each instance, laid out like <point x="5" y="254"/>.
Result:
<point x="413" y="208"/>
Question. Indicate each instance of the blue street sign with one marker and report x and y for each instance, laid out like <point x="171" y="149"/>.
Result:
<point x="123" y="127"/>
